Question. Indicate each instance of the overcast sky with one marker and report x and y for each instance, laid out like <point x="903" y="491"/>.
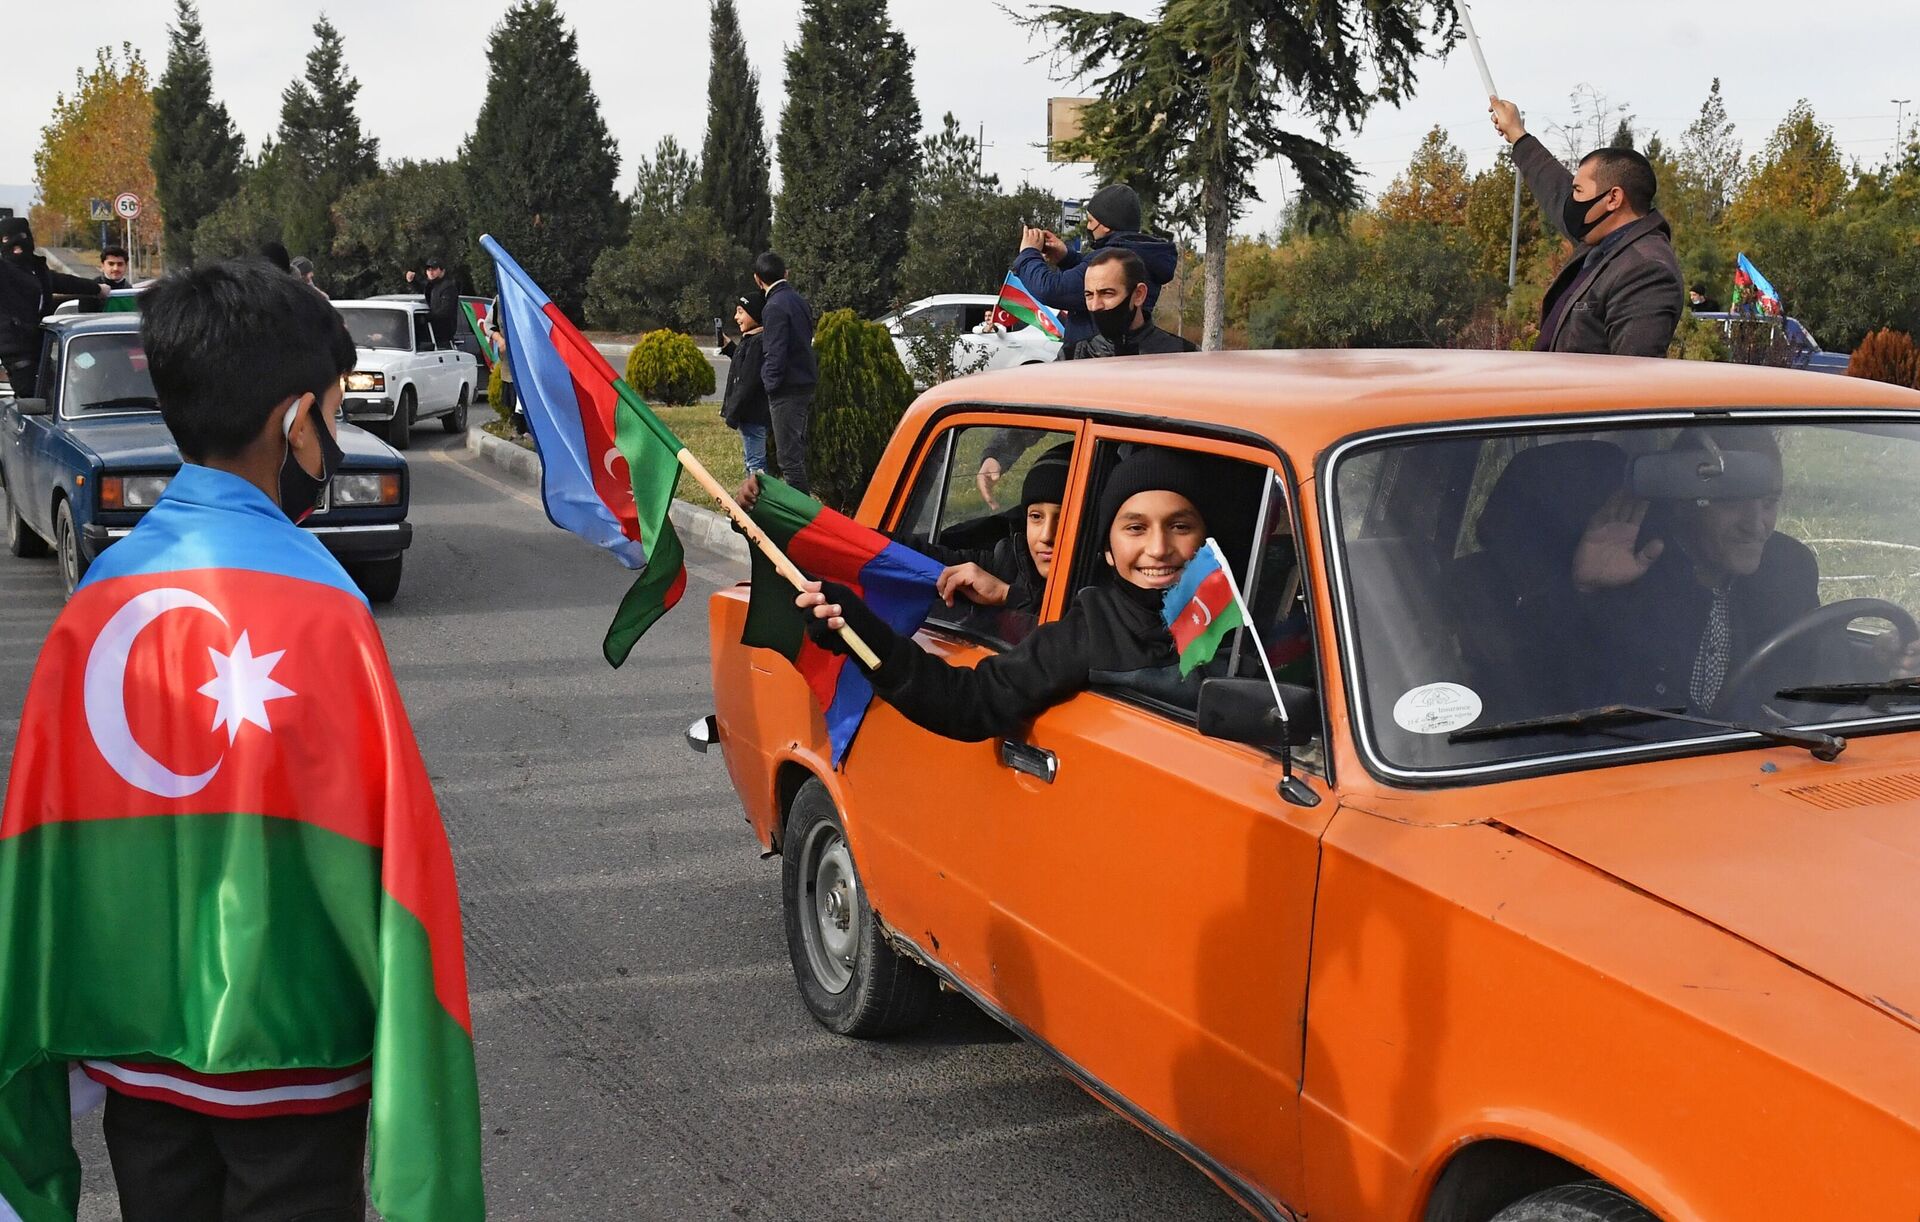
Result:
<point x="422" y="71"/>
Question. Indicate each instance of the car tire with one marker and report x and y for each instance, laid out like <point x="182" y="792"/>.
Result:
<point x="379" y="580"/>
<point x="1588" y="1201"/>
<point x="21" y="541"/>
<point x="400" y="428"/>
<point x="854" y="982"/>
<point x="455" y="421"/>
<point x="66" y="545"/>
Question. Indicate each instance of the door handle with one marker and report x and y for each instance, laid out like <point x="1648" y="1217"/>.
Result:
<point x="1034" y="761"/>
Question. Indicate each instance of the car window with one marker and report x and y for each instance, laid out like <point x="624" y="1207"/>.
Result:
<point x="946" y="317"/>
<point x="973" y="315"/>
<point x="372" y="328"/>
<point x="949" y="516"/>
<point x="106" y="373"/>
<point x="422" y="333"/>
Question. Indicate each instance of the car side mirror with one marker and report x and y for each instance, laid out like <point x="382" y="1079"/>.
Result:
<point x="1242" y="711"/>
<point x="32" y="407"/>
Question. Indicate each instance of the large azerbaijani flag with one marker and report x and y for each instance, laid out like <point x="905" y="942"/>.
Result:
<point x="588" y="423"/>
<point x="220" y="849"/>
<point x="1017" y="301"/>
<point x="895" y="581"/>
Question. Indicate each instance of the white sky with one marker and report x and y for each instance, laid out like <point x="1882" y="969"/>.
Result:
<point x="422" y="71"/>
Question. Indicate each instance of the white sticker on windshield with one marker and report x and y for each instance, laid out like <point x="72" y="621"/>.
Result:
<point x="1437" y="708"/>
<point x="84" y="360"/>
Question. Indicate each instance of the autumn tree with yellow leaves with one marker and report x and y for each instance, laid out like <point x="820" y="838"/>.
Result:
<point x="97" y="145"/>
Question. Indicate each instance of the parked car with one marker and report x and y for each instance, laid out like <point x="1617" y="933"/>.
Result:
<point x="80" y="463"/>
<point x="1450" y="922"/>
<point x="402" y="375"/>
<point x="1007" y="345"/>
<point x="1803" y="350"/>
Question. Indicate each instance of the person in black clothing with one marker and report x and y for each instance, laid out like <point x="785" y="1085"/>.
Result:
<point x="1700" y="302"/>
<point x="276" y="254"/>
<point x="27" y="290"/>
<point x="744" y="404"/>
<point x="787" y="366"/>
<point x="1116" y="295"/>
<point x="1056" y="275"/>
<point x="1006" y="580"/>
<point x="113" y="274"/>
<point x="1154" y="507"/>
<point x="443" y="301"/>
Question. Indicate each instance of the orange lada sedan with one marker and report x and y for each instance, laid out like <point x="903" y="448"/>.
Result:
<point x="1546" y="846"/>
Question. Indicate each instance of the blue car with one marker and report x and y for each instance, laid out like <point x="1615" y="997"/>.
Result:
<point x="80" y="462"/>
<point x="1803" y="350"/>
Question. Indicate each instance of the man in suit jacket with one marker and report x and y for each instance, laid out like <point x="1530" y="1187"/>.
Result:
<point x="1622" y="292"/>
<point x="787" y="367"/>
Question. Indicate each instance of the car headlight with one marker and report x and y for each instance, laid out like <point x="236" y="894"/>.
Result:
<point x="361" y="379"/>
<point x="131" y="491"/>
<point x="369" y="488"/>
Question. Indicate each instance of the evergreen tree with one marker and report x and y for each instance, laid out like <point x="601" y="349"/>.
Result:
<point x="1711" y="157"/>
<point x="849" y="149"/>
<point x="733" y="161"/>
<point x="323" y="151"/>
<point x="964" y="230"/>
<point x="540" y="164"/>
<point x="197" y="151"/>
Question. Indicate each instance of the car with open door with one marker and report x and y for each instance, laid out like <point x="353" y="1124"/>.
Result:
<point x="403" y="373"/>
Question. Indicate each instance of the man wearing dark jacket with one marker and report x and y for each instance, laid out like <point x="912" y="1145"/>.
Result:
<point x="787" y="368"/>
<point x="1622" y="292"/>
<point x="744" y="405"/>
<point x="443" y="301"/>
<point x="27" y="289"/>
<point x="113" y="274"/>
<point x="1115" y="295"/>
<point x="1057" y="275"/>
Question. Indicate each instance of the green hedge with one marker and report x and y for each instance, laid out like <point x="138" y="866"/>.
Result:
<point x="668" y="367"/>
<point x="863" y="390"/>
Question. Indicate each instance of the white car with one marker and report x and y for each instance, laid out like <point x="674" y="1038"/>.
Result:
<point x="965" y="315"/>
<point x="400" y="375"/>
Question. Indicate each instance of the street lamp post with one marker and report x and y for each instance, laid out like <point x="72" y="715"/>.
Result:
<point x="1899" y="124"/>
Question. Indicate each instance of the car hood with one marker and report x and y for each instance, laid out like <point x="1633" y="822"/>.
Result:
<point x="359" y="448"/>
<point x="378" y="358"/>
<point x="1817" y="872"/>
<point x="127" y="442"/>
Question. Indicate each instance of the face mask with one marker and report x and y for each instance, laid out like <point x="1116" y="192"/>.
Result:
<point x="299" y="491"/>
<point x="1573" y="214"/>
<point x="1114" y="323"/>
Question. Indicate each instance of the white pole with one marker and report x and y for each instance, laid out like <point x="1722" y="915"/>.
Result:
<point x="1479" y="60"/>
<point x="129" y="251"/>
<point x="1246" y="620"/>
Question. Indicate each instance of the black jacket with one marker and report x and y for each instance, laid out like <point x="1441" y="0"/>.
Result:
<point x="27" y="287"/>
<point x="745" y="400"/>
<point x="1146" y="341"/>
<point x="1064" y="287"/>
<point x="443" y="307"/>
<point x="786" y="361"/>
<point x="1629" y="303"/>
<point x="98" y="305"/>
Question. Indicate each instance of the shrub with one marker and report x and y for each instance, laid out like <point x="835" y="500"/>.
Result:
<point x="668" y="367"/>
<point x="1699" y="339"/>
<point x="863" y="390"/>
<point x="493" y="384"/>
<point x="1887" y="355"/>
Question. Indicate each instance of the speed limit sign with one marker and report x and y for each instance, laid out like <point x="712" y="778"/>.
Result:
<point x="127" y="205"/>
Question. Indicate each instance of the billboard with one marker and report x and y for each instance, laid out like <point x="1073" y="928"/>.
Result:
<point x="1063" y="123"/>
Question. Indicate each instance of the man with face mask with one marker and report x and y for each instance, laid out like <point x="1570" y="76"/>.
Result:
<point x="1115" y="292"/>
<point x="27" y="290"/>
<point x="1622" y="291"/>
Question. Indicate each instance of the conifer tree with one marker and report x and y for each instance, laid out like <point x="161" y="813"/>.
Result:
<point x="197" y="151"/>
<point x="733" y="161"/>
<point x="323" y="150"/>
<point x="540" y="164"/>
<point x="849" y="151"/>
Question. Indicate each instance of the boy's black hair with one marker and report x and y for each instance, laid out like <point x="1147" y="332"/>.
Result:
<point x="1629" y="171"/>
<point x="771" y="268"/>
<point x="113" y="252"/>
<point x="229" y="342"/>
<point x="1130" y="263"/>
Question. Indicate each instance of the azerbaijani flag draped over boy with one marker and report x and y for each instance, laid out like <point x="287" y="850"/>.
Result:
<point x="588" y="423"/>
<point x="1200" y="609"/>
<point x="895" y="581"/>
<point x="1016" y="301"/>
<point x="475" y="312"/>
<point x="1752" y="294"/>
<point x="219" y="855"/>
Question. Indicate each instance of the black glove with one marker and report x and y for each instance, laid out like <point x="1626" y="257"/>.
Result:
<point x="859" y="616"/>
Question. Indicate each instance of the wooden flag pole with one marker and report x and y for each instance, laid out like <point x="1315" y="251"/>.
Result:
<point x="767" y="546"/>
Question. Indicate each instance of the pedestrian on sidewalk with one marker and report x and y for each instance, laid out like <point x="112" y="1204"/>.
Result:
<point x="27" y="290"/>
<point x="113" y="274"/>
<point x="787" y="366"/>
<point x="744" y="406"/>
<point x="510" y="402"/>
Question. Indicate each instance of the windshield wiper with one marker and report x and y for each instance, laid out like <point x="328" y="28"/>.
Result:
<point x="123" y="401"/>
<point x="1823" y="746"/>
<point x="1848" y="693"/>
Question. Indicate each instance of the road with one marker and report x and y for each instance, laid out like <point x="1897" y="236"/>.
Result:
<point x="642" y="1051"/>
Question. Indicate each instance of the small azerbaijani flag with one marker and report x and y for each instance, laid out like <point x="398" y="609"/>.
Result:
<point x="1201" y="608"/>
<point x="476" y="316"/>
<point x="1752" y="293"/>
<point x="1017" y="302"/>
<point x="586" y="419"/>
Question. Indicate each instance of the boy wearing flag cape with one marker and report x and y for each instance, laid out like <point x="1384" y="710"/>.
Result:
<point x="225" y="892"/>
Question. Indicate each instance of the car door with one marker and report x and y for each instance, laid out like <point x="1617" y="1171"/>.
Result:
<point x="430" y="380"/>
<point x="34" y="444"/>
<point x="1153" y="905"/>
<point x="925" y="813"/>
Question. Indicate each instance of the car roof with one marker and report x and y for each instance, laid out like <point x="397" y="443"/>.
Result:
<point x="1309" y="399"/>
<point x="394" y="302"/>
<point x="951" y="299"/>
<point x="87" y="324"/>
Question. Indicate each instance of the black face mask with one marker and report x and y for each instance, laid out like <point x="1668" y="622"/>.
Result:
<point x="299" y="491"/>
<point x="1114" y="323"/>
<point x="1573" y="214"/>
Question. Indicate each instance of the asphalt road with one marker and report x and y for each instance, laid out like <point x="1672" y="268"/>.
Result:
<point x="642" y="1051"/>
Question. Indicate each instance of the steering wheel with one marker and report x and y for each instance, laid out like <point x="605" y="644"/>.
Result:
<point x="1839" y="614"/>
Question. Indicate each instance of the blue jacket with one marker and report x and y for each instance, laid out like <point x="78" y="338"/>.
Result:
<point x="786" y="344"/>
<point x="1064" y="287"/>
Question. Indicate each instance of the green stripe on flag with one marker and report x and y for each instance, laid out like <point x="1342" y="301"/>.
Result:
<point x="1201" y="649"/>
<point x="652" y="454"/>
<point x="773" y="622"/>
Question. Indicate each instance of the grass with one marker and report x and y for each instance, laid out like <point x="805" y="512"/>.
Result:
<point x="712" y="442"/>
<point x="1851" y="496"/>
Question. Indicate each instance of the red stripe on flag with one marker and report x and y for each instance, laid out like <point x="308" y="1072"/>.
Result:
<point x="1212" y="597"/>
<point x="596" y="397"/>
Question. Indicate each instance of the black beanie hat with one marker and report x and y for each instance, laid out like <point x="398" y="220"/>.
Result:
<point x="754" y="302"/>
<point x="1115" y="206"/>
<point x="17" y="228"/>
<point x="1154" y="469"/>
<point x="1046" y="482"/>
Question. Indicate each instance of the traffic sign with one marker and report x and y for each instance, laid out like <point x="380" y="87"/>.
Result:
<point x="127" y="204"/>
<point x="99" y="210"/>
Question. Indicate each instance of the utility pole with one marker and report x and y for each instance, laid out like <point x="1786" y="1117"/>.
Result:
<point x="1899" y="124"/>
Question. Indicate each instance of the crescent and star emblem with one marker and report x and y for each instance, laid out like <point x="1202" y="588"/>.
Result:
<point x="240" y="688"/>
<point x="1201" y="614"/>
<point x="612" y="456"/>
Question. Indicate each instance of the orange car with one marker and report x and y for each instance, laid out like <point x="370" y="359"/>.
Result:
<point x="1580" y="878"/>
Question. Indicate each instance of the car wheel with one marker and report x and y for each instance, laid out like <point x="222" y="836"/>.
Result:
<point x="455" y="421"/>
<point x="1590" y="1201"/>
<point x="21" y="541"/>
<point x="400" y="428"/>
<point x="852" y="980"/>
<point x="379" y="580"/>
<point x="66" y="542"/>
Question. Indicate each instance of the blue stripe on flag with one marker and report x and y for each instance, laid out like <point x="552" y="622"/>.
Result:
<point x="898" y="585"/>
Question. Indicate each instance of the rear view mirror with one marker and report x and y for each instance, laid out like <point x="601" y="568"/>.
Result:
<point x="1242" y="711"/>
<point x="31" y="407"/>
<point x="1712" y="474"/>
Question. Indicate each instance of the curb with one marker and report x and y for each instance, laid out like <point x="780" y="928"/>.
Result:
<point x="710" y="530"/>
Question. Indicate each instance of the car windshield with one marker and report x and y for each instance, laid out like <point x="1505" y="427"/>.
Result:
<point x="107" y="373"/>
<point x="379" y="328"/>
<point x="1496" y="585"/>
